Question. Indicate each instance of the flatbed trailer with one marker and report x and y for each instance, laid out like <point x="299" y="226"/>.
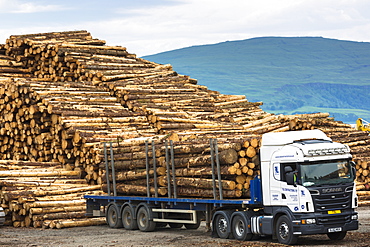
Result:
<point x="175" y="211"/>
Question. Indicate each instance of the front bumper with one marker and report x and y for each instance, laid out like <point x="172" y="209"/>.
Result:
<point x="311" y="229"/>
<point x="347" y="221"/>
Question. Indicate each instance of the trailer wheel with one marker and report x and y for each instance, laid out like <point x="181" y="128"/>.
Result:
<point x="284" y="231"/>
<point x="240" y="228"/>
<point x="143" y="221"/>
<point x="221" y="226"/>
<point x="113" y="216"/>
<point x="128" y="220"/>
<point x="175" y="225"/>
<point x="337" y="235"/>
<point x="193" y="226"/>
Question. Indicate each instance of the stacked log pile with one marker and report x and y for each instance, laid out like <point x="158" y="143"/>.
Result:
<point x="9" y="68"/>
<point x="45" y="121"/>
<point x="39" y="54"/>
<point x="173" y="102"/>
<point x="43" y="194"/>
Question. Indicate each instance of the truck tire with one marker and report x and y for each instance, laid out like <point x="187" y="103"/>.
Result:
<point x="113" y="216"/>
<point x="128" y="220"/>
<point x="175" y="225"/>
<point x="221" y="225"/>
<point x="193" y="226"/>
<point x="239" y="226"/>
<point x="284" y="231"/>
<point x="337" y="235"/>
<point x="143" y="220"/>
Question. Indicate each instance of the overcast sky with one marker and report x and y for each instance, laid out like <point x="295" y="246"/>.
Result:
<point x="148" y="27"/>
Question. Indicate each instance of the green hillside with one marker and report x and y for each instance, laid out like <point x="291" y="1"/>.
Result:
<point x="290" y="75"/>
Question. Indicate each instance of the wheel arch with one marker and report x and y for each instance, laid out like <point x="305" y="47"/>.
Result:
<point x="277" y="214"/>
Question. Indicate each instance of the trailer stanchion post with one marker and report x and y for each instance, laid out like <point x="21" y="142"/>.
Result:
<point x="213" y="168"/>
<point x="168" y="171"/>
<point x="218" y="170"/>
<point x="173" y="170"/>
<point x="147" y="168"/>
<point x="113" y="170"/>
<point x="154" y="170"/>
<point x="107" y="168"/>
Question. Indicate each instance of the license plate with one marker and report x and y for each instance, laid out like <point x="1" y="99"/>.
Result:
<point x="334" y="212"/>
<point x="337" y="229"/>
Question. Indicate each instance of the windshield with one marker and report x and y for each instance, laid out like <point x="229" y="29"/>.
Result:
<point x="334" y="172"/>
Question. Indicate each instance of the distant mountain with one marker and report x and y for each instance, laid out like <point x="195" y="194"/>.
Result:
<point x="290" y="75"/>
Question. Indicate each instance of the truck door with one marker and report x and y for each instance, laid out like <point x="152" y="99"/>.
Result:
<point x="289" y="186"/>
<point x="275" y="185"/>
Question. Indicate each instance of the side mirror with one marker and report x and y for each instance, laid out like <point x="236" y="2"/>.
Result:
<point x="353" y="168"/>
<point x="289" y="176"/>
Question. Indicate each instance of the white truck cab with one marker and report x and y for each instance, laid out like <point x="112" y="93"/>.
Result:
<point x="310" y="179"/>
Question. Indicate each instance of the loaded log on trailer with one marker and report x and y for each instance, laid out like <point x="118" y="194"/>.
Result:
<point x="113" y="96"/>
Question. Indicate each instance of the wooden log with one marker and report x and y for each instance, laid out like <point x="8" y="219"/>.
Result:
<point x="204" y="193"/>
<point x="59" y="215"/>
<point x="40" y="204"/>
<point x="80" y="222"/>
<point x="226" y="157"/>
<point x="197" y="182"/>
<point x="43" y="173"/>
<point x="128" y="189"/>
<point x="48" y="210"/>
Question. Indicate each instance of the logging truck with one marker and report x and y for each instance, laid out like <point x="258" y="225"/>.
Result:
<point x="305" y="187"/>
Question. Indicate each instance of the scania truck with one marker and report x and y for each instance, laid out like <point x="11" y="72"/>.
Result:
<point x="306" y="186"/>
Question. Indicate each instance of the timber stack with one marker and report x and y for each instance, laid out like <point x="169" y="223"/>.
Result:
<point x="43" y="194"/>
<point x="64" y="94"/>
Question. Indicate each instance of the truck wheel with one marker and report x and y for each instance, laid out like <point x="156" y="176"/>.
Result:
<point x="143" y="221"/>
<point x="175" y="225"/>
<point x="128" y="220"/>
<point x="112" y="216"/>
<point x="284" y="231"/>
<point x="337" y="235"/>
<point x="240" y="228"/>
<point x="221" y="226"/>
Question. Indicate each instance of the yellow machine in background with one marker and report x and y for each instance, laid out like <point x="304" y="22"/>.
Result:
<point x="363" y="125"/>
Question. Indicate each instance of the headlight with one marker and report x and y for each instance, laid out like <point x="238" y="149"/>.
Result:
<point x="354" y="217"/>
<point x="308" y="221"/>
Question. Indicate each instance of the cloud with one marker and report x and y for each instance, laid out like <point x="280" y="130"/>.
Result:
<point x="146" y="27"/>
<point x="23" y="7"/>
<point x="151" y="29"/>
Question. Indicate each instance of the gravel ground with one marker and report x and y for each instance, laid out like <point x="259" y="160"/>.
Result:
<point x="104" y="236"/>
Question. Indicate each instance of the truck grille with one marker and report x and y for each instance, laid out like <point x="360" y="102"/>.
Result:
<point x="329" y="201"/>
<point x="332" y="200"/>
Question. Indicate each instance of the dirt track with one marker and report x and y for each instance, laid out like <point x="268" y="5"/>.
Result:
<point x="104" y="236"/>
